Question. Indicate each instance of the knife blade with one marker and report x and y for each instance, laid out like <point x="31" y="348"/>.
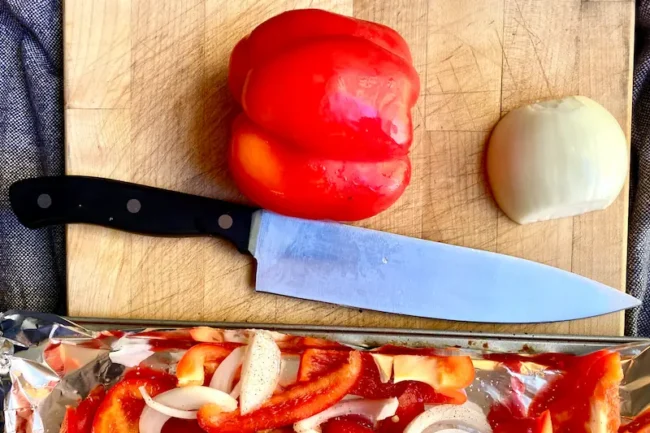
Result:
<point x="331" y="262"/>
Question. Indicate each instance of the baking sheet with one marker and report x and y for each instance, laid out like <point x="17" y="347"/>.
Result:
<point x="370" y="337"/>
<point x="37" y="392"/>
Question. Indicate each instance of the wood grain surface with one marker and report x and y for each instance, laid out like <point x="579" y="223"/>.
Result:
<point x="146" y="101"/>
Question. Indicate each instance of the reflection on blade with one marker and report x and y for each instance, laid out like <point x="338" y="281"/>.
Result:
<point x="368" y="269"/>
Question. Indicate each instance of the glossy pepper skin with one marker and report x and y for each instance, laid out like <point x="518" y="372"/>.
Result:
<point x="326" y="128"/>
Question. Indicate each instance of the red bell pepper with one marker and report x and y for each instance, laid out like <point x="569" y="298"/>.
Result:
<point x="288" y="343"/>
<point x="455" y="371"/>
<point x="347" y="426"/>
<point x="200" y="361"/>
<point x="121" y="409"/>
<point x="297" y="403"/>
<point x="541" y="424"/>
<point x="80" y="419"/>
<point x="640" y="424"/>
<point x="411" y="403"/>
<point x="327" y="125"/>
<point x="176" y="425"/>
<point x="583" y="395"/>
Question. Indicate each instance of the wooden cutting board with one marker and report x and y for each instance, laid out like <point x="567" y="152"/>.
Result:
<point x="146" y="101"/>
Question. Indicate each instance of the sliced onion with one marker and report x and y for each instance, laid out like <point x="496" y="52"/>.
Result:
<point x="351" y="397"/>
<point x="451" y="430"/>
<point x="373" y="410"/>
<point x="467" y="404"/>
<point x="224" y="375"/>
<point x="236" y="391"/>
<point x="450" y="418"/>
<point x="260" y="371"/>
<point x="205" y="334"/>
<point x="185" y="401"/>
<point x="289" y="366"/>
<point x="244" y="335"/>
<point x="279" y="336"/>
<point x="164" y="409"/>
<point x="152" y="421"/>
<point x="236" y="335"/>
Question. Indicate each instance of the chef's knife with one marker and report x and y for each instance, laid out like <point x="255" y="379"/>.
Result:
<point x="331" y="262"/>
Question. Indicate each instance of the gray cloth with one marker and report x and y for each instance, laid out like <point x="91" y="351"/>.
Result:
<point x="31" y="144"/>
<point x="638" y="264"/>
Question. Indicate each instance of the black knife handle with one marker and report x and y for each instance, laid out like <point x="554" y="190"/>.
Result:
<point x="44" y="201"/>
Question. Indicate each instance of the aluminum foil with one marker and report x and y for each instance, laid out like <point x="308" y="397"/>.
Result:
<point x="48" y="362"/>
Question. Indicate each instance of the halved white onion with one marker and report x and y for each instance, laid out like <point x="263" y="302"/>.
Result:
<point x="260" y="371"/>
<point x="556" y="159"/>
<point x="450" y="418"/>
<point x="373" y="410"/>
<point x="224" y="375"/>
<point x="289" y="366"/>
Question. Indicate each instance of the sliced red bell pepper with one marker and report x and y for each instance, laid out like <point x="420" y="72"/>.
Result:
<point x="289" y="343"/>
<point x="298" y="344"/>
<point x="411" y="403"/>
<point x="582" y="396"/>
<point x="456" y="373"/>
<point x="200" y="361"/>
<point x="176" y="425"/>
<point x="511" y="406"/>
<point x="80" y="419"/>
<point x="347" y="425"/>
<point x="640" y="424"/>
<point x="146" y="373"/>
<point x="541" y="424"/>
<point x="315" y="362"/>
<point x="412" y="395"/>
<point x="120" y="410"/>
<point x="297" y="403"/>
<point x="391" y="349"/>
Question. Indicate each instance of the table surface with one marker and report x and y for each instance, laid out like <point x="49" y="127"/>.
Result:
<point x="146" y="102"/>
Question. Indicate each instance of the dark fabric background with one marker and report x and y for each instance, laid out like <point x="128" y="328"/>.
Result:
<point x="638" y="261"/>
<point x="32" y="272"/>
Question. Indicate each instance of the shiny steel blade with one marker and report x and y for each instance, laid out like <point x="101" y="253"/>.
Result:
<point x="362" y="268"/>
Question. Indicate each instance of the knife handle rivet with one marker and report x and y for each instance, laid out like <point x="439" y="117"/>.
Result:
<point x="44" y="201"/>
<point x="225" y="221"/>
<point x="133" y="205"/>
